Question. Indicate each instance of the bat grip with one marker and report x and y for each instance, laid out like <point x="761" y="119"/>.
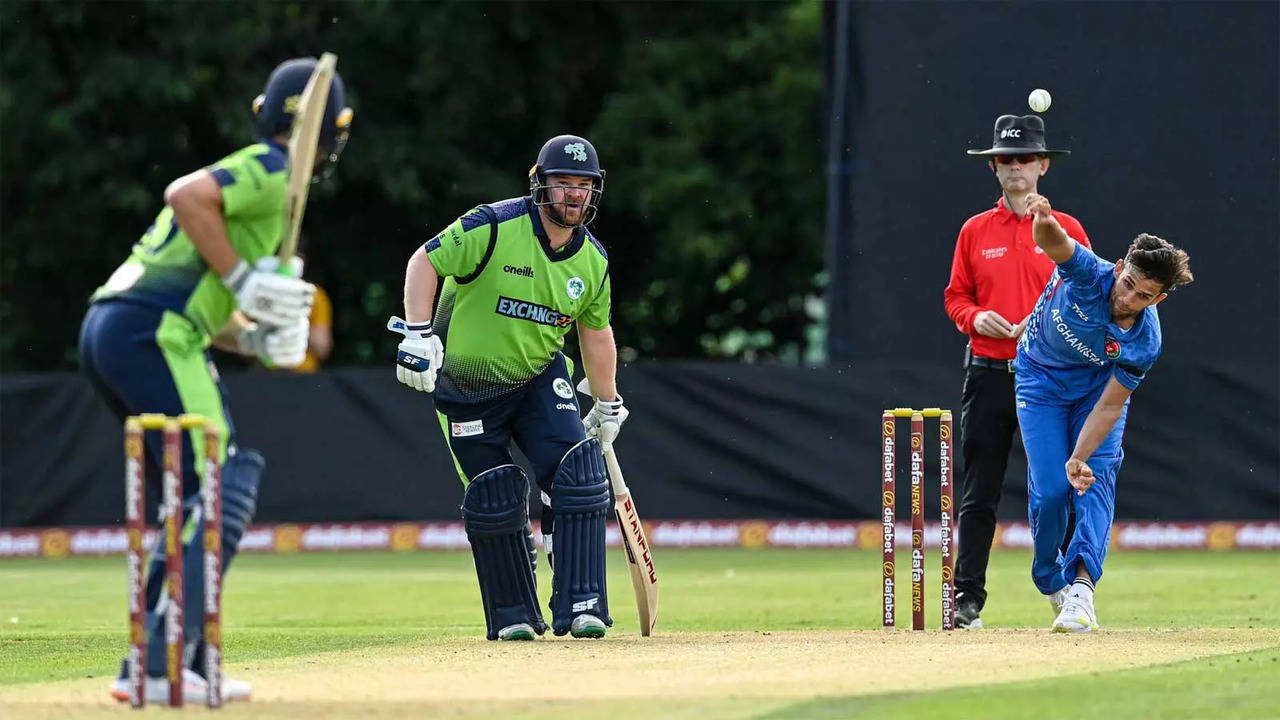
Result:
<point x="615" y="473"/>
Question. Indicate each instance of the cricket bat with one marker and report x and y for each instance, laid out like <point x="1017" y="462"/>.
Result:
<point x="644" y="579"/>
<point x="302" y="150"/>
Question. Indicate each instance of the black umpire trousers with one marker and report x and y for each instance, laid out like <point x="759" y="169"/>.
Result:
<point x="988" y="420"/>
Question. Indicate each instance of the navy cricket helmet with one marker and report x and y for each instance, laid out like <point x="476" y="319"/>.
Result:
<point x="567" y="155"/>
<point x="273" y="110"/>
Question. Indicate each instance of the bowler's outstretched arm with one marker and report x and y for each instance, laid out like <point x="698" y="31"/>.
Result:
<point x="1047" y="231"/>
<point x="1097" y="426"/>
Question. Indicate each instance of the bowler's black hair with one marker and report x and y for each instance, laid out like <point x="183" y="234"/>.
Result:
<point x="1159" y="260"/>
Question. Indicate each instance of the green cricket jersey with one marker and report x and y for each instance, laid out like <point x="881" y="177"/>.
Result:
<point x="164" y="269"/>
<point x="508" y="298"/>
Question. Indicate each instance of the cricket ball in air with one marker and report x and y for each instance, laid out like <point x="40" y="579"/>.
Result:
<point x="1039" y="100"/>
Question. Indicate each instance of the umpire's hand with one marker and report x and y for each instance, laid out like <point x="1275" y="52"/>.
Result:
<point x="420" y="355"/>
<point x="993" y="324"/>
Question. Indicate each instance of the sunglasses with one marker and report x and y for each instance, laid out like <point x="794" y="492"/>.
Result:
<point x="1020" y="159"/>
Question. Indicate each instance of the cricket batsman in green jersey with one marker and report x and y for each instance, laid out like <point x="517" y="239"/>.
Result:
<point x="518" y="274"/>
<point x="205" y="272"/>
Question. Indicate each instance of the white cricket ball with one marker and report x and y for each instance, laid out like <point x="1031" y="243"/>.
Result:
<point x="1039" y="100"/>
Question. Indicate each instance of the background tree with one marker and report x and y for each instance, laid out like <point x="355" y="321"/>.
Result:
<point x="706" y="116"/>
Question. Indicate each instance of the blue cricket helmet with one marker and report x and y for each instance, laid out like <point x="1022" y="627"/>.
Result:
<point x="274" y="109"/>
<point x="567" y="155"/>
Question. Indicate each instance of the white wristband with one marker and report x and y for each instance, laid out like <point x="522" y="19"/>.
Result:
<point x="236" y="276"/>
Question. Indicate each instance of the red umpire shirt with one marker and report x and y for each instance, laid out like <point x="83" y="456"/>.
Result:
<point x="998" y="266"/>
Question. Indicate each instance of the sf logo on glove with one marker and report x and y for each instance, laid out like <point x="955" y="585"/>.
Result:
<point x="419" y="356"/>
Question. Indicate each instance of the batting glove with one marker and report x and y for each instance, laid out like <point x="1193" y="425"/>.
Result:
<point x="605" y="420"/>
<point x="284" y="347"/>
<point x="420" y="355"/>
<point x="268" y="296"/>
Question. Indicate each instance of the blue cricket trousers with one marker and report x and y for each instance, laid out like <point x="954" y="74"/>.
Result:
<point x="1049" y="432"/>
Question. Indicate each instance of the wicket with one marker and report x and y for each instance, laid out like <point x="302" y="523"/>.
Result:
<point x="171" y="517"/>
<point x="888" y="513"/>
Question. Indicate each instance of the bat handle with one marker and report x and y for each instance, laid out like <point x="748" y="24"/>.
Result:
<point x="615" y="472"/>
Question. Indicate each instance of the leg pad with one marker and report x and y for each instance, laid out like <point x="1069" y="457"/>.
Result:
<point x="581" y="499"/>
<point x="495" y="511"/>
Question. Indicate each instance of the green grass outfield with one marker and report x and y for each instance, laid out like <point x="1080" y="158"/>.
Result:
<point x="741" y="633"/>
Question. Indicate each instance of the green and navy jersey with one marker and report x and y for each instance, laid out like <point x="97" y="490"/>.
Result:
<point x="508" y="298"/>
<point x="165" y="270"/>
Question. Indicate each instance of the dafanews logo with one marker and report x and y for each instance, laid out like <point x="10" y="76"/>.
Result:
<point x="533" y="312"/>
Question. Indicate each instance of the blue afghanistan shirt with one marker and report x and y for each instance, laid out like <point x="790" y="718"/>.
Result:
<point x="1071" y="348"/>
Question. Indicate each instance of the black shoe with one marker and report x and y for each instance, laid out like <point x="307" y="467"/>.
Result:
<point x="967" y="616"/>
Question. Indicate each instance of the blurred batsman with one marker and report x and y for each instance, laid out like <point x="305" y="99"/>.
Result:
<point x="204" y="272"/>
<point x="1092" y="338"/>
<point x="518" y="274"/>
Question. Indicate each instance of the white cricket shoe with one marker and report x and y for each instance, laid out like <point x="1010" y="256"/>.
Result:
<point x="234" y="690"/>
<point x="1056" y="600"/>
<point x="587" y="626"/>
<point x="195" y="690"/>
<point x="1077" y="616"/>
<point x="519" y="631"/>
